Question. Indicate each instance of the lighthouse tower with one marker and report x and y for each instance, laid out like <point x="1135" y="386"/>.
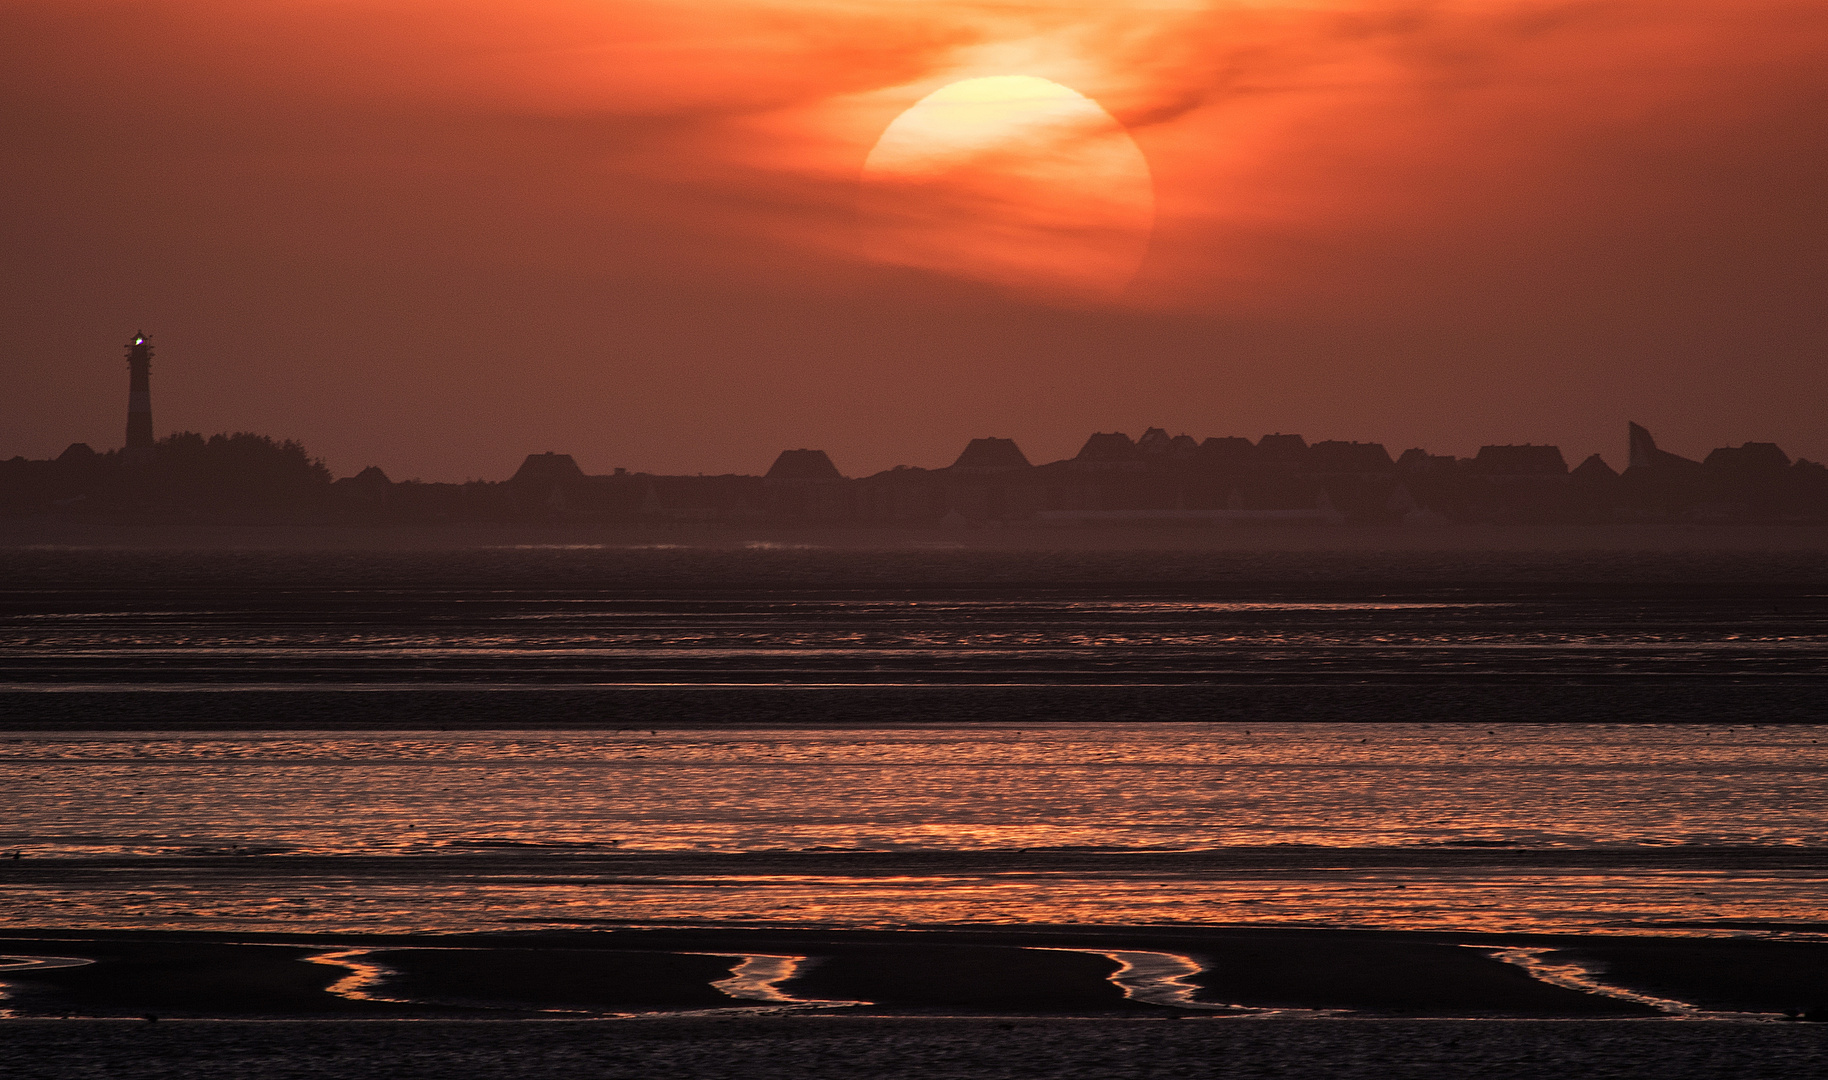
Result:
<point x="139" y="396"/>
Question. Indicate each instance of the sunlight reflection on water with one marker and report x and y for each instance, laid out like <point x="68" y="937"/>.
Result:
<point x="537" y="822"/>
<point x="1128" y="786"/>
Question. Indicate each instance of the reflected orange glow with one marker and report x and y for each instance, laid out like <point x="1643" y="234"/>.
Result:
<point x="1371" y="825"/>
<point x="365" y="976"/>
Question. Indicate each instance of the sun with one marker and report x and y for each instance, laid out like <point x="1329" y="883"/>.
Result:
<point x="1013" y="180"/>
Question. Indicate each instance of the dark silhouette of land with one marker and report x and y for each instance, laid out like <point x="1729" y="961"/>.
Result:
<point x="1278" y="478"/>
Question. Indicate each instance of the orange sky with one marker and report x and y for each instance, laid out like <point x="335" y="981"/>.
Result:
<point x="434" y="235"/>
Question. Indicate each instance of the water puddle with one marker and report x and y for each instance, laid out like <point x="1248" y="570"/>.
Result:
<point x="758" y="977"/>
<point x="13" y="965"/>
<point x="1571" y="974"/>
<point x="365" y="975"/>
<point x="1158" y="978"/>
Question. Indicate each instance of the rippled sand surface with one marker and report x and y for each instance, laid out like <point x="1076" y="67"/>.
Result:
<point x="845" y="1048"/>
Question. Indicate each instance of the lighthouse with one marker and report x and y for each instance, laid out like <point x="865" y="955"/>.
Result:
<point x="139" y="396"/>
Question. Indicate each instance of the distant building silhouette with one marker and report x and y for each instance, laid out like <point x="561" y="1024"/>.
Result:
<point x="1645" y="455"/>
<point x="804" y="485"/>
<point x="139" y="398"/>
<point x="1231" y="452"/>
<point x="547" y="469"/>
<point x="1282" y="452"/>
<point x="803" y="465"/>
<point x="1750" y="459"/>
<point x="1349" y="459"/>
<point x="1594" y="468"/>
<point x="1107" y="448"/>
<point x="547" y="483"/>
<point x="992" y="454"/>
<point x="1155" y="442"/>
<point x="370" y="485"/>
<point x="1159" y="480"/>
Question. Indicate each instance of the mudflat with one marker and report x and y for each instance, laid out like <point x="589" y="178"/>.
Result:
<point x="1086" y="971"/>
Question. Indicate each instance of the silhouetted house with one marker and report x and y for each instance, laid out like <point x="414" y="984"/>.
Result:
<point x="1433" y="485"/>
<point x="991" y="454"/>
<point x="991" y="481"/>
<point x="1646" y="456"/>
<point x="1267" y="477"/>
<point x="1154" y="443"/>
<point x="1106" y="450"/>
<point x="1593" y="470"/>
<point x="1419" y="462"/>
<point x="1334" y="458"/>
<point x="1282" y="453"/>
<point x="1508" y="484"/>
<point x="1357" y="478"/>
<point x="796" y="465"/>
<point x="1751" y="459"/>
<point x="371" y="485"/>
<point x="549" y="484"/>
<point x="1228" y="454"/>
<point x="1593" y="489"/>
<point x="1752" y="480"/>
<point x="1658" y="483"/>
<point x="540" y="470"/>
<point x="79" y="455"/>
<point x="804" y="485"/>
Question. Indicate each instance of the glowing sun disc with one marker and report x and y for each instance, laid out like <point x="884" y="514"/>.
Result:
<point x="1010" y="179"/>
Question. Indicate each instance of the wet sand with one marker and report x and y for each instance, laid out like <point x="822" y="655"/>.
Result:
<point x="837" y="1047"/>
<point x="1002" y="972"/>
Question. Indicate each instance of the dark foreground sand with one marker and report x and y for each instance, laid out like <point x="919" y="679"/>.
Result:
<point x="933" y="1004"/>
<point x="814" y="1047"/>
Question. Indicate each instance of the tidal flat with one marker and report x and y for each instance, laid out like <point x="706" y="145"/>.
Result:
<point x="781" y="810"/>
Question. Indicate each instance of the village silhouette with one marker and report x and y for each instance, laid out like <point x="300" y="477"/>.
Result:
<point x="1157" y="478"/>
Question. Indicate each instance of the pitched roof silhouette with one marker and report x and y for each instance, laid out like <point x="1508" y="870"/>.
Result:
<point x="803" y="465"/>
<point x="1155" y="441"/>
<point x="1751" y="457"/>
<point x="1230" y="450"/>
<point x="1417" y="460"/>
<point x="1594" y="468"/>
<point x="1114" y="446"/>
<point x="1282" y="451"/>
<point x="547" y="468"/>
<point x="1645" y="455"/>
<point x="992" y="454"/>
